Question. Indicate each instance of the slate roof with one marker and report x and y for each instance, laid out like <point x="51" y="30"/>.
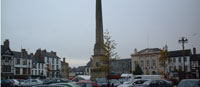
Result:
<point x="17" y="54"/>
<point x="49" y="54"/>
<point x="195" y="57"/>
<point x="179" y="53"/>
<point x="36" y="59"/>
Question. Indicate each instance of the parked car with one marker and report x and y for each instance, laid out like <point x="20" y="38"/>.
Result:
<point x="65" y="84"/>
<point x="189" y="83"/>
<point x="15" y="82"/>
<point x="6" y="83"/>
<point x="50" y="86"/>
<point x="87" y="83"/>
<point x="155" y="83"/>
<point x="115" y="82"/>
<point x="102" y="82"/>
<point x="31" y="82"/>
<point x="133" y="82"/>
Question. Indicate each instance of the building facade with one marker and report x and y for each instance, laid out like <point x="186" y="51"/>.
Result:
<point x="22" y="64"/>
<point x="64" y="69"/>
<point x="148" y="60"/>
<point x="7" y="61"/>
<point x="52" y="62"/>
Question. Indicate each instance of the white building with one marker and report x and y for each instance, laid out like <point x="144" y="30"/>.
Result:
<point x="52" y="63"/>
<point x="175" y="68"/>
<point x="22" y="64"/>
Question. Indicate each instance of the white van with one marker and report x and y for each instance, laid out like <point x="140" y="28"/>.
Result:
<point x="152" y="77"/>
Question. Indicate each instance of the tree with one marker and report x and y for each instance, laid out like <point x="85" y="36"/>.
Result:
<point x="109" y="54"/>
<point x="138" y="70"/>
<point x="164" y="57"/>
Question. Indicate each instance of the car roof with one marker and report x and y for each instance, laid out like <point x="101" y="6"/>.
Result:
<point x="190" y="80"/>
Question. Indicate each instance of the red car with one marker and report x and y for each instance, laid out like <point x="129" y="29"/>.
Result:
<point x="87" y="83"/>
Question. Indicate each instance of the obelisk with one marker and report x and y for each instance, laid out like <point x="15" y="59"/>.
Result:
<point x="99" y="45"/>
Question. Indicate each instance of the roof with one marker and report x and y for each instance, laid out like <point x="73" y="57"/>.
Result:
<point x="17" y="54"/>
<point x="149" y="49"/>
<point x="3" y="49"/>
<point x="195" y="57"/>
<point x="36" y="59"/>
<point x="179" y="53"/>
<point x="49" y="54"/>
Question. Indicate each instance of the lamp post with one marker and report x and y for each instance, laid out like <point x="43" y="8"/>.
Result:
<point x="182" y="41"/>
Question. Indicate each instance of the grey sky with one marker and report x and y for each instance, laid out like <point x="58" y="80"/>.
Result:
<point x="68" y="26"/>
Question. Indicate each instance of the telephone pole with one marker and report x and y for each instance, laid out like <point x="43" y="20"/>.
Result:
<point x="182" y="41"/>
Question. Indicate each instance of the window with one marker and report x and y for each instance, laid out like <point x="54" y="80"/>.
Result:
<point x="57" y="67"/>
<point x="174" y="68"/>
<point x="17" y="61"/>
<point x="147" y="62"/>
<point x="174" y="59"/>
<point x="35" y="72"/>
<point x="6" y="68"/>
<point x="47" y="59"/>
<point x="97" y="64"/>
<point x="7" y="59"/>
<point x="53" y="67"/>
<point x="142" y="63"/>
<point x="52" y="60"/>
<point x="185" y="59"/>
<point x="179" y="59"/>
<point x="186" y="68"/>
<point x="17" y="71"/>
<point x="153" y="62"/>
<point x="24" y="62"/>
<point x="180" y="68"/>
<point x="24" y="70"/>
<point x="57" y="61"/>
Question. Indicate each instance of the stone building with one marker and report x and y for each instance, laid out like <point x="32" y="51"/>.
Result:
<point x="148" y="60"/>
<point x="7" y="61"/>
<point x="64" y="69"/>
<point x="121" y="66"/>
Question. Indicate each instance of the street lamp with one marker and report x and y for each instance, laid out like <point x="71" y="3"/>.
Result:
<point x="182" y="41"/>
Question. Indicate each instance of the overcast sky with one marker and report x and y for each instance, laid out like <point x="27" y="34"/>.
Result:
<point x="68" y="26"/>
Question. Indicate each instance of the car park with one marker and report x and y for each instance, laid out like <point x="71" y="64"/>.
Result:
<point x="189" y="83"/>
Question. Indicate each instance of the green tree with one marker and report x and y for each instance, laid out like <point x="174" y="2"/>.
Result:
<point x="138" y="70"/>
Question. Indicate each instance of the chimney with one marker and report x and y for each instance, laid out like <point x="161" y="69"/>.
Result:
<point x="6" y="43"/>
<point x="135" y="51"/>
<point x="32" y="54"/>
<point x="24" y="51"/>
<point x="64" y="59"/>
<point x="44" y="50"/>
<point x="194" y="51"/>
<point x="53" y="52"/>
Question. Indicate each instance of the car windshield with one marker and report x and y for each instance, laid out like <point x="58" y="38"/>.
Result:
<point x="147" y="82"/>
<point x="188" y="84"/>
